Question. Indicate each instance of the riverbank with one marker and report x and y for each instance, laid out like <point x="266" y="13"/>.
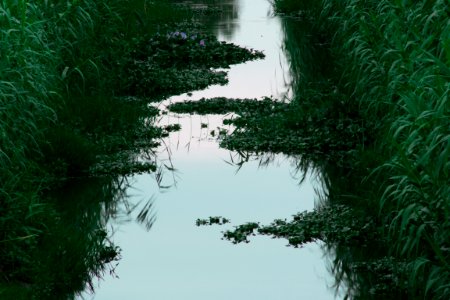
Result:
<point x="370" y="113"/>
<point x="76" y="81"/>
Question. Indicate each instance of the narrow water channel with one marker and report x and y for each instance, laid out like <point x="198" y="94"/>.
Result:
<point x="175" y="259"/>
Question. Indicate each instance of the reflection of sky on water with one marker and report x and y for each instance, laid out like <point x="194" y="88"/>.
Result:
<point x="176" y="259"/>
<point x="254" y="79"/>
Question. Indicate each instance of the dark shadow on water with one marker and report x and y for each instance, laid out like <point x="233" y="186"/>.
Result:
<point x="362" y="270"/>
<point x="78" y="250"/>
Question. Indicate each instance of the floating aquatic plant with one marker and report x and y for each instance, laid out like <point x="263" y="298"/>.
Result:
<point x="212" y="221"/>
<point x="180" y="62"/>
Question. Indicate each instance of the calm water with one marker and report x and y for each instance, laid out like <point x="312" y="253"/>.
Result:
<point x="178" y="260"/>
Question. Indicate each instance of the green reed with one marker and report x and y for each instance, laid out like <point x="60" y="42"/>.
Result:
<point x="24" y="92"/>
<point x="54" y="56"/>
<point x="392" y="66"/>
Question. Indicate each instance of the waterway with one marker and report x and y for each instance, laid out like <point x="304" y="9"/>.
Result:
<point x="175" y="259"/>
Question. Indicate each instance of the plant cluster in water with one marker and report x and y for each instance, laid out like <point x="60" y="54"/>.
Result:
<point x="223" y="105"/>
<point x="330" y="224"/>
<point x="343" y="230"/>
<point x="180" y="61"/>
<point x="267" y="125"/>
<point x="212" y="221"/>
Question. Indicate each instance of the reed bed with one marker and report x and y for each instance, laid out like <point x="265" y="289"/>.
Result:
<point x="391" y="64"/>
<point x="55" y="58"/>
<point x="67" y="111"/>
<point x="25" y="90"/>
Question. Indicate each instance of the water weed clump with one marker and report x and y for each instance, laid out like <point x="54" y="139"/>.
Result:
<point x="222" y="105"/>
<point x="267" y="125"/>
<point x="180" y="61"/>
<point x="212" y="221"/>
<point x="241" y="233"/>
<point x="277" y="128"/>
<point x="331" y="224"/>
<point x="347" y="233"/>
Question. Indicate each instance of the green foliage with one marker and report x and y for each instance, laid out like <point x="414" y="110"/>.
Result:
<point x="389" y="62"/>
<point x="241" y="233"/>
<point x="295" y="7"/>
<point x="66" y="153"/>
<point x="385" y="279"/>
<point x="212" y="221"/>
<point x="331" y="224"/>
<point x="347" y="232"/>
<point x="62" y="66"/>
<point x="75" y="238"/>
<point x="52" y="61"/>
<point x="222" y="105"/>
<point x="178" y="61"/>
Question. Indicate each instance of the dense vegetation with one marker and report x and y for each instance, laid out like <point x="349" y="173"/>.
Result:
<point x="371" y="112"/>
<point x="55" y="117"/>
<point x="391" y="65"/>
<point x="76" y="78"/>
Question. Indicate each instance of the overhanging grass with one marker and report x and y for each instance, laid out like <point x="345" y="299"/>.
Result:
<point x="391" y="63"/>
<point x="52" y="61"/>
<point x="65" y="112"/>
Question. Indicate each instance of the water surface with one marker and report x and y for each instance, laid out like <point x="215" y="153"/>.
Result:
<point x="176" y="259"/>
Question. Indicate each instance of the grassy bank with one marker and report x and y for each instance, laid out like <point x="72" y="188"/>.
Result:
<point x="54" y="99"/>
<point x="392" y="67"/>
<point x="76" y="78"/>
<point x="371" y="113"/>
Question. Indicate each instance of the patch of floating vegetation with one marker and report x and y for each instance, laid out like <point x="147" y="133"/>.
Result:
<point x="172" y="127"/>
<point x="223" y="105"/>
<point x="181" y="61"/>
<point x="287" y="131"/>
<point x="241" y="233"/>
<point x="165" y="64"/>
<point x="330" y="224"/>
<point x="341" y="228"/>
<point x="212" y="221"/>
<point x="268" y="125"/>
<point x="120" y="150"/>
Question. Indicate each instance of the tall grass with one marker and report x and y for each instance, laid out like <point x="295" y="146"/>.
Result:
<point x="25" y="90"/>
<point x="55" y="57"/>
<point x="392" y="64"/>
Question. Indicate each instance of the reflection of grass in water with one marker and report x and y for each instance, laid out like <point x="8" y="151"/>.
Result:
<point x="72" y="247"/>
<point x="78" y="239"/>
